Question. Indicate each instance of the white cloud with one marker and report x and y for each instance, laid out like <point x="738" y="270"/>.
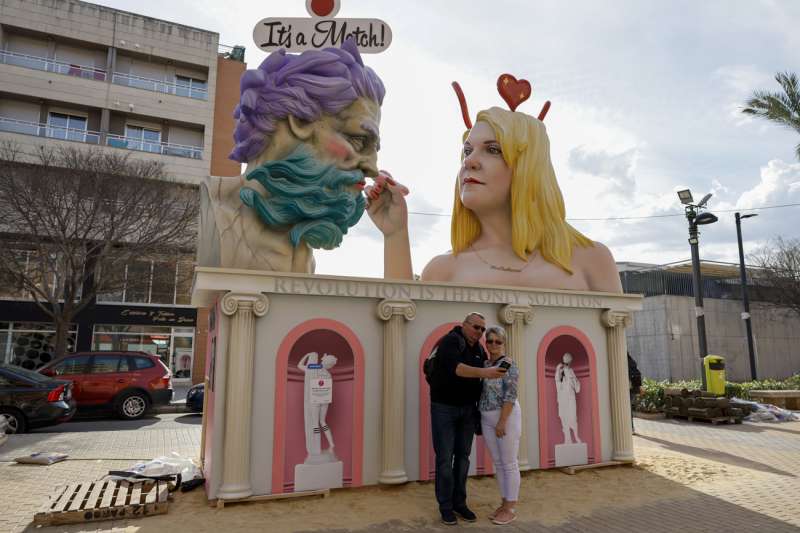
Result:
<point x="780" y="184"/>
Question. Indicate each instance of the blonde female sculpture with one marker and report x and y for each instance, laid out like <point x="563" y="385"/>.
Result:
<point x="508" y="224"/>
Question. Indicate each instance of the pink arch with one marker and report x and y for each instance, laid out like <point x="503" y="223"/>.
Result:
<point x="485" y="464"/>
<point x="544" y="446"/>
<point x="281" y="369"/>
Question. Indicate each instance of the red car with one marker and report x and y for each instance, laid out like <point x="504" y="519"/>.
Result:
<point x="130" y="382"/>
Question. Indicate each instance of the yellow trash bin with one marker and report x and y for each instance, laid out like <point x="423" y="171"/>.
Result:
<point x="714" y="367"/>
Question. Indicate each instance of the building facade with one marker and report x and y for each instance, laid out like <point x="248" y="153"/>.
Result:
<point x="74" y="73"/>
<point x="663" y="337"/>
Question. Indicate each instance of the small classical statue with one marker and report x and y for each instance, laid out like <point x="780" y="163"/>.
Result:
<point x="317" y="397"/>
<point x="567" y="387"/>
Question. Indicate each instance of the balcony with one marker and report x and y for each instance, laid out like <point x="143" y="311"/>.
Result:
<point x="160" y="86"/>
<point x="94" y="137"/>
<point x="188" y="88"/>
<point x="49" y="65"/>
<point x="12" y="125"/>
<point x="140" y="145"/>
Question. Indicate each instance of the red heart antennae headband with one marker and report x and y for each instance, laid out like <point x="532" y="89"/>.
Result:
<point x="513" y="91"/>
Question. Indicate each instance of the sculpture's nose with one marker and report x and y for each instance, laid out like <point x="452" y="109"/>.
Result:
<point x="369" y="165"/>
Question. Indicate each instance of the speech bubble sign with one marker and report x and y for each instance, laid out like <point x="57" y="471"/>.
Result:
<point x="371" y="36"/>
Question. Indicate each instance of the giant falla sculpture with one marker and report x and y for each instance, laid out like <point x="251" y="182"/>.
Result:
<point x="308" y="130"/>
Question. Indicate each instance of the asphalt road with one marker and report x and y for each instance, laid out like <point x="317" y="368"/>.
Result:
<point x="109" y="423"/>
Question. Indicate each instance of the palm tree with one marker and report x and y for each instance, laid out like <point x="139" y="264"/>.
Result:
<point x="782" y="108"/>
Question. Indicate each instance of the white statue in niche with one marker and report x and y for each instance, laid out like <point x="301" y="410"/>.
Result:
<point x="317" y="397"/>
<point x="567" y="387"/>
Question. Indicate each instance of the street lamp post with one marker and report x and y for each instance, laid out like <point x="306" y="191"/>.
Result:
<point x="696" y="218"/>
<point x="745" y="299"/>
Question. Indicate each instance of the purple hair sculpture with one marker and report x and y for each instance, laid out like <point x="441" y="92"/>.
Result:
<point x="304" y="86"/>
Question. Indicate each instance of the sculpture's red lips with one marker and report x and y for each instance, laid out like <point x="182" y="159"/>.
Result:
<point x="472" y="180"/>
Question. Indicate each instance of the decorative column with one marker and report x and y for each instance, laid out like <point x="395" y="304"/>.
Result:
<point x="514" y="317"/>
<point x="622" y="434"/>
<point x="394" y="313"/>
<point x="244" y="309"/>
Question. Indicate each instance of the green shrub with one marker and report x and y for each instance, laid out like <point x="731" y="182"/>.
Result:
<point x="651" y="399"/>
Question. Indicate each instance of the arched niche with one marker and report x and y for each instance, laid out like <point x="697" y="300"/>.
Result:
<point x="555" y="343"/>
<point x="346" y="414"/>
<point x="427" y="459"/>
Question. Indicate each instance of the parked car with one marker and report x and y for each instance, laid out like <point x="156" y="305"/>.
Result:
<point x="194" y="398"/>
<point x="128" y="382"/>
<point x="29" y="400"/>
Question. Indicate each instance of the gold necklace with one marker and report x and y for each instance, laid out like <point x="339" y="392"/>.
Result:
<point x="499" y="267"/>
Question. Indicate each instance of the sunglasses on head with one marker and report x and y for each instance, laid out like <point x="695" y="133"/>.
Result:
<point x="494" y="341"/>
<point x="478" y="328"/>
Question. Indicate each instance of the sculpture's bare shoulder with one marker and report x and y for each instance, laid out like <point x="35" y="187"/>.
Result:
<point x="440" y="268"/>
<point x="598" y="267"/>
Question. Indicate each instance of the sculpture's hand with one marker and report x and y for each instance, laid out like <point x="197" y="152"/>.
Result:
<point x="386" y="204"/>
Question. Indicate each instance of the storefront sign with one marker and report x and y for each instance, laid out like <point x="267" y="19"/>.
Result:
<point x="155" y="316"/>
<point x="321" y="30"/>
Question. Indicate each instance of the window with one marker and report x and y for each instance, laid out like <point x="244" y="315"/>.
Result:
<point x="31" y="345"/>
<point x="107" y="364"/>
<point x="68" y="127"/>
<point x="191" y="87"/>
<point x="73" y="365"/>
<point x="144" y="139"/>
<point x="141" y="363"/>
<point x="182" y="356"/>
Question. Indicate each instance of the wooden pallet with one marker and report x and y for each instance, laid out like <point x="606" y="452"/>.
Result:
<point x="714" y="420"/>
<point x="104" y="500"/>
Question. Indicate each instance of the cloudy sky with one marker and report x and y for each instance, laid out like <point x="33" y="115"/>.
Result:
<point x="646" y="100"/>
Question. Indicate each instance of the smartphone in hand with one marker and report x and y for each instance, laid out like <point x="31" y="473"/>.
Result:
<point x="505" y="365"/>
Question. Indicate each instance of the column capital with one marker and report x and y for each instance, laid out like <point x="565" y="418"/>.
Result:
<point x="256" y="301"/>
<point x="388" y="308"/>
<point x="510" y="313"/>
<point x="612" y="318"/>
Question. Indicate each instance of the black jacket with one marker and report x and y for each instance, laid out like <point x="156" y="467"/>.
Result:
<point x="446" y="386"/>
<point x="634" y="375"/>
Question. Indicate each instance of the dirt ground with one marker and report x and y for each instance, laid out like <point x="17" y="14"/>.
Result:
<point x="548" y="497"/>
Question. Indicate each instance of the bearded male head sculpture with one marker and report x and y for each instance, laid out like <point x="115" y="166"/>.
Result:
<point x="308" y="130"/>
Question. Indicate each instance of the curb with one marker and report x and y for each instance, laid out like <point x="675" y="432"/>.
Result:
<point x="171" y="408"/>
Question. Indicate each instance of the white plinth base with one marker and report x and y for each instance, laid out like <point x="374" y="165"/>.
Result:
<point x="571" y="454"/>
<point x="315" y="477"/>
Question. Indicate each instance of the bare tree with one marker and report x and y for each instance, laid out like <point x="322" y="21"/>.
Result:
<point x="72" y="219"/>
<point x="778" y="272"/>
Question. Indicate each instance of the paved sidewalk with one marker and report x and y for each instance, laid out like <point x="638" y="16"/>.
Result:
<point x="688" y="478"/>
<point x="92" y="453"/>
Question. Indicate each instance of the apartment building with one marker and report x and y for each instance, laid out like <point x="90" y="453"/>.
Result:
<point x="74" y="73"/>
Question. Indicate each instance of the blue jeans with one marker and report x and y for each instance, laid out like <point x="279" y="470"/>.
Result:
<point x="453" y="429"/>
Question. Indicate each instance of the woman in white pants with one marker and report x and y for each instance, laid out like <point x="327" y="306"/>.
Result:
<point x="501" y="422"/>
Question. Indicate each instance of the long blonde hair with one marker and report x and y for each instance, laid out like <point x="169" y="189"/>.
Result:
<point x="538" y="217"/>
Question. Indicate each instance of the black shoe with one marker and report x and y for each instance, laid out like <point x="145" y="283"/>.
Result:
<point x="449" y="518"/>
<point x="466" y="514"/>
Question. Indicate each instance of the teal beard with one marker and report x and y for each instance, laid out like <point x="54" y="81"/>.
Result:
<point x="312" y="199"/>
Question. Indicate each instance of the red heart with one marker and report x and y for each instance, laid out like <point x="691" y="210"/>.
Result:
<point x="321" y="383"/>
<point x="513" y="91"/>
